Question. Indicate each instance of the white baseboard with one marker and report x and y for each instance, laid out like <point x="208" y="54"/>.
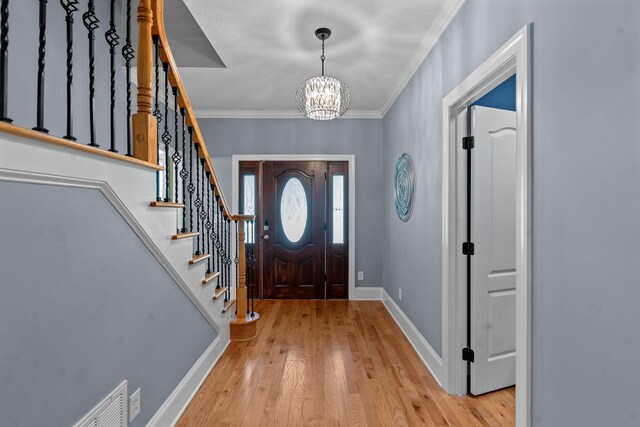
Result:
<point x="429" y="357"/>
<point x="177" y="402"/>
<point x="367" y="294"/>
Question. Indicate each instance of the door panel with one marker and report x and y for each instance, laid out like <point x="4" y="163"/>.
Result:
<point x="493" y="273"/>
<point x="294" y="246"/>
<point x="337" y="230"/>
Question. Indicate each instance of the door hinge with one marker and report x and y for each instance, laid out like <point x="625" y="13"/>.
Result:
<point x="468" y="248"/>
<point x="468" y="355"/>
<point x="468" y="142"/>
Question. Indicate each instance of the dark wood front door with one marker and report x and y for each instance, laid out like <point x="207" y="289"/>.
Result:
<point x="294" y="244"/>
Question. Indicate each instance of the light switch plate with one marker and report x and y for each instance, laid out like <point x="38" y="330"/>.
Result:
<point x="134" y="405"/>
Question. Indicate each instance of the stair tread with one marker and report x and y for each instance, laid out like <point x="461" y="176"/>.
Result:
<point x="209" y="277"/>
<point x="219" y="292"/>
<point x="228" y="305"/>
<point x="184" y="235"/>
<point x="166" y="205"/>
<point x="199" y="258"/>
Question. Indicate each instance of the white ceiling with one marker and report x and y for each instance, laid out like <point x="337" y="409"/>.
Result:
<point x="269" y="48"/>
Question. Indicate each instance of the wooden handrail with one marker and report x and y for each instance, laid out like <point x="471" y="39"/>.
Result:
<point x="144" y="137"/>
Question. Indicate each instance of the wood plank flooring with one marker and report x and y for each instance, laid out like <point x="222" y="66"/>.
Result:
<point x="333" y="363"/>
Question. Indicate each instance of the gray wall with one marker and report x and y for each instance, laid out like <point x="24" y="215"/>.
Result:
<point x="363" y="138"/>
<point x="83" y="306"/>
<point x="586" y="196"/>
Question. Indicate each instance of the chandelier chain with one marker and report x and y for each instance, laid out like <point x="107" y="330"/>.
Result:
<point x="322" y="57"/>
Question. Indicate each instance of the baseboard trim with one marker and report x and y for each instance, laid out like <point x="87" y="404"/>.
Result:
<point x="367" y="294"/>
<point x="171" y="410"/>
<point x="429" y="357"/>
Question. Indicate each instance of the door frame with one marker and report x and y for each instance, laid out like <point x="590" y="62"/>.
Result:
<point x="512" y="58"/>
<point x="349" y="158"/>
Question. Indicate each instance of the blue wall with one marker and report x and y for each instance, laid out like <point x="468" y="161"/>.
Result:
<point x="362" y="137"/>
<point x="502" y="97"/>
<point x="586" y="196"/>
<point x="84" y="305"/>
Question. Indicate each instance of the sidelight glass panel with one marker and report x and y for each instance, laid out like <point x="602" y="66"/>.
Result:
<point x="338" y="209"/>
<point x="293" y="210"/>
<point x="249" y="203"/>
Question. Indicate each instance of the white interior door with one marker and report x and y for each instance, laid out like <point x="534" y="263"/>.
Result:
<point x="493" y="265"/>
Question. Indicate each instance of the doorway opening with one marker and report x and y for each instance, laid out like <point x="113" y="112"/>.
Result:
<point x="486" y="231"/>
<point x="303" y="225"/>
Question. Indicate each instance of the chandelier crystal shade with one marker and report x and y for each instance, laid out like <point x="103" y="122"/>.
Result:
<point x="323" y="97"/>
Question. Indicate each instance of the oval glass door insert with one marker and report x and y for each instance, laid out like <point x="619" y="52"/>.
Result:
<point x="293" y="210"/>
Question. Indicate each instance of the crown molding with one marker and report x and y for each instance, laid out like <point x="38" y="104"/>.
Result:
<point x="446" y="14"/>
<point x="277" y="114"/>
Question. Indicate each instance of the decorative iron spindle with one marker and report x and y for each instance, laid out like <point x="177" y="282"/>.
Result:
<point x="42" y="49"/>
<point x="223" y="275"/>
<point x="4" y="60"/>
<point x="212" y="236"/>
<point x="236" y="259"/>
<point x="253" y="266"/>
<point x="176" y="157"/>
<point x="128" y="54"/>
<point x="202" y="215"/>
<point x="70" y="7"/>
<point x="166" y="136"/>
<point x="157" y="113"/>
<point x="229" y="260"/>
<point x="91" y="23"/>
<point x="113" y="40"/>
<point x="217" y="242"/>
<point x="191" y="187"/>
<point x="207" y="224"/>
<point x="183" y="173"/>
<point x="198" y="202"/>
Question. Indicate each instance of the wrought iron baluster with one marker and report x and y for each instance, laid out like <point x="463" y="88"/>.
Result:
<point x="70" y="7"/>
<point x="222" y="254"/>
<point x="113" y="40"/>
<point x="228" y="254"/>
<point x="202" y="215"/>
<point x="128" y="54"/>
<point x="91" y="23"/>
<point x="207" y="224"/>
<point x="176" y="157"/>
<point x="212" y="236"/>
<point x="198" y="202"/>
<point x="166" y="136"/>
<point x="218" y="241"/>
<point x="4" y="61"/>
<point x="183" y="173"/>
<point x="156" y="110"/>
<point x="253" y="266"/>
<point x="42" y="49"/>
<point x="191" y="187"/>
<point x="236" y="259"/>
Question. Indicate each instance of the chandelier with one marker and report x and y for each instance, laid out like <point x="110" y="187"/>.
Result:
<point x="323" y="97"/>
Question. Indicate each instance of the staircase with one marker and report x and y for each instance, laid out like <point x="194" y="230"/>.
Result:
<point x="166" y="189"/>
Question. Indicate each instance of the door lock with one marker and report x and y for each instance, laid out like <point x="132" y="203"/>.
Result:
<point x="265" y="237"/>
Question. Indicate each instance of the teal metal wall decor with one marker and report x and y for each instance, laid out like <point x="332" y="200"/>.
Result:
<point x="404" y="186"/>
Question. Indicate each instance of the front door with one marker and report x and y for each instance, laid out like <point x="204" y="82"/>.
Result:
<point x="294" y="195"/>
<point x="493" y="264"/>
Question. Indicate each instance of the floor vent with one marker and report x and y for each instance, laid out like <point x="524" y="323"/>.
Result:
<point x="111" y="412"/>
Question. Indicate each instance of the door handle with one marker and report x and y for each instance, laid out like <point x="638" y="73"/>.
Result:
<point x="265" y="237"/>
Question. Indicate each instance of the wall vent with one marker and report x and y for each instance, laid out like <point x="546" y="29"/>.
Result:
<point x="111" y="412"/>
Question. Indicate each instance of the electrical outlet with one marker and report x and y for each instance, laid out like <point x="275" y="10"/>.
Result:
<point x="134" y="405"/>
<point x="400" y="294"/>
<point x="360" y="275"/>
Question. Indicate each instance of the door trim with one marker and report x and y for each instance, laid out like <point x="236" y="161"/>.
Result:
<point x="349" y="158"/>
<point x="512" y="57"/>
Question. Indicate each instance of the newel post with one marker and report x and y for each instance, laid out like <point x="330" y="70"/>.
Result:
<point x="145" y="125"/>
<point x="241" y="292"/>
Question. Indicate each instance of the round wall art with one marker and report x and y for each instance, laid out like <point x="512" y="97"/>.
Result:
<point x="405" y="186"/>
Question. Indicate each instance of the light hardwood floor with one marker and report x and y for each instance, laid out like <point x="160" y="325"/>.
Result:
<point x="333" y="363"/>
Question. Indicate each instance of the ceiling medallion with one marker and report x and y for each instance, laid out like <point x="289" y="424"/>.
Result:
<point x="404" y="186"/>
<point x="323" y="97"/>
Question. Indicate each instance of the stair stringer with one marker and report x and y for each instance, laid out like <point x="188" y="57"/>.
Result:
<point x="129" y="188"/>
